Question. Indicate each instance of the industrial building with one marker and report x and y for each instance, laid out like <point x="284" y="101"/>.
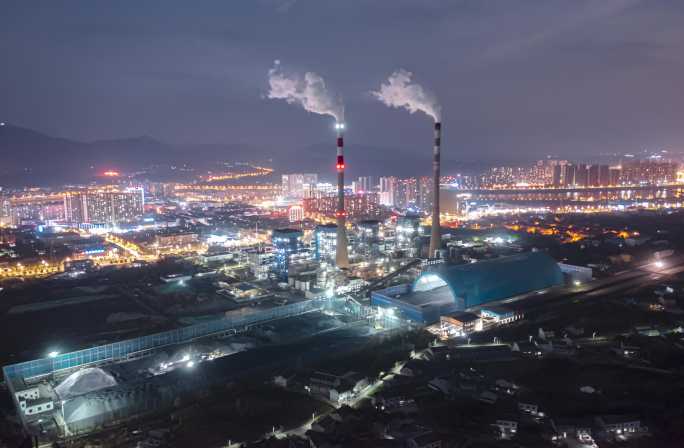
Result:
<point x="325" y="241"/>
<point x="288" y="247"/>
<point x="90" y="389"/>
<point x="447" y="288"/>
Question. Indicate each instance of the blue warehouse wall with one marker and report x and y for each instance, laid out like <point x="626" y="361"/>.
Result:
<point x="497" y="279"/>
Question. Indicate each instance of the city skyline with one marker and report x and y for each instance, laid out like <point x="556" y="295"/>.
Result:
<point x="361" y="223"/>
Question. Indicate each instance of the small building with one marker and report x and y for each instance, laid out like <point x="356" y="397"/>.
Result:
<point x="578" y="428"/>
<point x="245" y="292"/>
<point x="508" y="428"/>
<point x="37" y="406"/>
<point x="32" y="393"/>
<point x="530" y="408"/>
<point x="619" y="424"/>
<point x="498" y="315"/>
<point x="336" y="388"/>
<point x="459" y="324"/>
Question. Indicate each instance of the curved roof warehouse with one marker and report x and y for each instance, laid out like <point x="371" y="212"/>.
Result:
<point x="446" y="288"/>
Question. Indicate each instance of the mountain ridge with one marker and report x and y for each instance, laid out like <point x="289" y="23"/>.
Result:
<point x="36" y="158"/>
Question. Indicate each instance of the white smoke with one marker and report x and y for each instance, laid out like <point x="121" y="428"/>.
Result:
<point x="400" y="92"/>
<point x="309" y="91"/>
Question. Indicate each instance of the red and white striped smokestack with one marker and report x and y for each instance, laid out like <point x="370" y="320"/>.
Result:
<point x="436" y="237"/>
<point x="341" y="254"/>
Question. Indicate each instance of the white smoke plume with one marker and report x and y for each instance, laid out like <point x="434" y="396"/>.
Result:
<point x="309" y="91"/>
<point x="400" y="92"/>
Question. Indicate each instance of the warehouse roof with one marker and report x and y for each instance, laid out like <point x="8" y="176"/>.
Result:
<point x="491" y="280"/>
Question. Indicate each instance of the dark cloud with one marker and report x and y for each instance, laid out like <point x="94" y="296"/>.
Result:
<point x="523" y="78"/>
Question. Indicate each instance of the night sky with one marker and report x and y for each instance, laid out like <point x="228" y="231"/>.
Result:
<point x="526" y="77"/>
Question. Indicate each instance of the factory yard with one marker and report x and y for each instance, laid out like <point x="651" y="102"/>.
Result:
<point x="226" y="356"/>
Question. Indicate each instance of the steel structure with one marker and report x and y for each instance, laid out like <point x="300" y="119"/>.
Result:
<point x="137" y="347"/>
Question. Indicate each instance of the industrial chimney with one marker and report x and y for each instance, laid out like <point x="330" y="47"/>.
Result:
<point x="341" y="255"/>
<point x="435" y="237"/>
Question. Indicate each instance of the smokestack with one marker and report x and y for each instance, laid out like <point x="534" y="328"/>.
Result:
<point x="436" y="237"/>
<point x="341" y="255"/>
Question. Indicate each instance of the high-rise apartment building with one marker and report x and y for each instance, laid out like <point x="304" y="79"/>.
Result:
<point x="296" y="213"/>
<point x="388" y="188"/>
<point x="35" y="208"/>
<point x="425" y="193"/>
<point x="593" y="179"/>
<point x="325" y="242"/>
<point x="648" y="171"/>
<point x="365" y="205"/>
<point x="104" y="206"/>
<point x="294" y="185"/>
<point x="406" y="192"/>
<point x="365" y="184"/>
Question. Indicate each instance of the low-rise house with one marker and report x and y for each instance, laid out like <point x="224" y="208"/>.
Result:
<point x="576" y="428"/>
<point x="530" y="408"/>
<point x="459" y="324"/>
<point x="336" y="388"/>
<point x="36" y="406"/>
<point x="619" y="424"/>
<point x="498" y="315"/>
<point x="507" y="428"/>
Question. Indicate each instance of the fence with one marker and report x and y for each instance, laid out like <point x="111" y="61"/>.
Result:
<point x="121" y="350"/>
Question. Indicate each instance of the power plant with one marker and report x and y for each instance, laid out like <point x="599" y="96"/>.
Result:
<point x="341" y="255"/>
<point x="399" y="91"/>
<point x="435" y="236"/>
